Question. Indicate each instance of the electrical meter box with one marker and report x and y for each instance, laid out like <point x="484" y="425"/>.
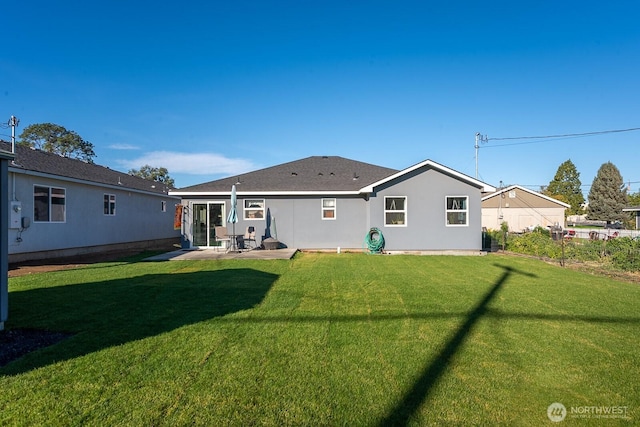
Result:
<point x="15" y="215"/>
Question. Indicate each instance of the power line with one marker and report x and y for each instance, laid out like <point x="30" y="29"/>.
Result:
<point x="485" y="139"/>
<point x="565" y="135"/>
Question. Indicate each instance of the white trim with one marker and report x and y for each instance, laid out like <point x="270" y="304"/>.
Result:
<point x="535" y="193"/>
<point x="465" y="210"/>
<point x="334" y="209"/>
<point x="484" y="187"/>
<point x="49" y="197"/>
<point x="245" y="209"/>
<point x="404" y="211"/>
<point x="258" y="194"/>
<point x="109" y="196"/>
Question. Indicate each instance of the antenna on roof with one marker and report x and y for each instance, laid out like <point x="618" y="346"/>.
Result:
<point x="13" y="122"/>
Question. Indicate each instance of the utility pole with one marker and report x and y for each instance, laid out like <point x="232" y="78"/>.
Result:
<point x="479" y="138"/>
<point x="13" y="122"/>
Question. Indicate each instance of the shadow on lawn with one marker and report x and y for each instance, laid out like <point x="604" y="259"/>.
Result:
<point x="114" y="312"/>
<point x="432" y="373"/>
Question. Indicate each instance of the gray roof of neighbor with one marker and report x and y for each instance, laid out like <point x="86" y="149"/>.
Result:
<point x="316" y="173"/>
<point x="28" y="159"/>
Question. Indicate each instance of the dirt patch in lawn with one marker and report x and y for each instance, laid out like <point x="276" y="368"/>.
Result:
<point x="15" y="343"/>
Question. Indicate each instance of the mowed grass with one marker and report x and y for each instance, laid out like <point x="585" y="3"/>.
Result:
<point x="324" y="339"/>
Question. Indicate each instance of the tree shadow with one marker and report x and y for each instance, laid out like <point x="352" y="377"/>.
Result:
<point x="109" y="313"/>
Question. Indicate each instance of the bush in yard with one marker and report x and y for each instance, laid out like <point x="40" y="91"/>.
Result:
<point x="621" y="253"/>
<point x="624" y="253"/>
<point x="587" y="250"/>
<point x="538" y="243"/>
<point x="497" y="236"/>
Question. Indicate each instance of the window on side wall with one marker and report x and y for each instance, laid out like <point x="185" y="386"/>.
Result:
<point x="457" y="210"/>
<point x="49" y="204"/>
<point x="254" y="209"/>
<point x="110" y="204"/>
<point x="328" y="208"/>
<point x="395" y="211"/>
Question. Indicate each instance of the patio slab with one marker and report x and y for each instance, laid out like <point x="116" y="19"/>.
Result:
<point x="205" y="254"/>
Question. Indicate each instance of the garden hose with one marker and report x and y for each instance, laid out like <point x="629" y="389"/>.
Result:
<point x="374" y="241"/>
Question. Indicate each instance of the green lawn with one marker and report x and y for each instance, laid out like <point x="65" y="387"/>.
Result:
<point x="324" y="339"/>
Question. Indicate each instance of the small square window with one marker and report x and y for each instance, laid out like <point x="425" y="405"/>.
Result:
<point x="49" y="204"/>
<point x="254" y="209"/>
<point x="328" y="208"/>
<point x="457" y="212"/>
<point x="395" y="211"/>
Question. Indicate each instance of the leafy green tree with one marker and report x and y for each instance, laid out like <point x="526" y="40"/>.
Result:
<point x="160" y="175"/>
<point x="633" y="199"/>
<point x="565" y="187"/>
<point x="608" y="195"/>
<point x="56" y="139"/>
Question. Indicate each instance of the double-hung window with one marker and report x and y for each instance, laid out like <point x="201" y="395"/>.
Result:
<point x="254" y="208"/>
<point x="457" y="210"/>
<point x="395" y="211"/>
<point x="49" y="204"/>
<point x="110" y="204"/>
<point x="328" y="208"/>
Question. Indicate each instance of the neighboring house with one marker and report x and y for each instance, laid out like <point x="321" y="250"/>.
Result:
<point x="521" y="209"/>
<point x="61" y="207"/>
<point x="635" y="209"/>
<point x="329" y="202"/>
<point x="5" y="159"/>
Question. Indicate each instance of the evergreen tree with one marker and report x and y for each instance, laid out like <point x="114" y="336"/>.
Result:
<point x="565" y="187"/>
<point x="608" y="196"/>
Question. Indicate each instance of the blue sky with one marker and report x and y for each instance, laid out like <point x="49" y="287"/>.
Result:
<point x="210" y="89"/>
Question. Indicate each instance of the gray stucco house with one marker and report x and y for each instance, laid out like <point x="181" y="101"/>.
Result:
<point x="5" y="159"/>
<point x="327" y="202"/>
<point x="62" y="207"/>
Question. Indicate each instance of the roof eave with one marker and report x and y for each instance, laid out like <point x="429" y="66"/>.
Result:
<point x="265" y="193"/>
<point x="20" y="170"/>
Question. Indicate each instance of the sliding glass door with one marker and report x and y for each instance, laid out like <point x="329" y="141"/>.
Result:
<point x="205" y="217"/>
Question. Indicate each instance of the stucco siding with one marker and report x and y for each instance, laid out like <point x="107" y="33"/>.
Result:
<point x="297" y="221"/>
<point x="138" y="217"/>
<point x="426" y="227"/>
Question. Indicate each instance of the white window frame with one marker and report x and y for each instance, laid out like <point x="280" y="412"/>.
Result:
<point x="324" y="209"/>
<point x="395" y="211"/>
<point x="457" y="210"/>
<point x="50" y="198"/>
<point x="109" y="204"/>
<point x="259" y="212"/>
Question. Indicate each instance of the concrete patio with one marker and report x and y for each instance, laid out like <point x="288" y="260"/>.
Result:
<point x="207" y="254"/>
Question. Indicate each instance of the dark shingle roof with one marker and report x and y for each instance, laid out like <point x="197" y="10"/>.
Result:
<point x="311" y="174"/>
<point x="40" y="161"/>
